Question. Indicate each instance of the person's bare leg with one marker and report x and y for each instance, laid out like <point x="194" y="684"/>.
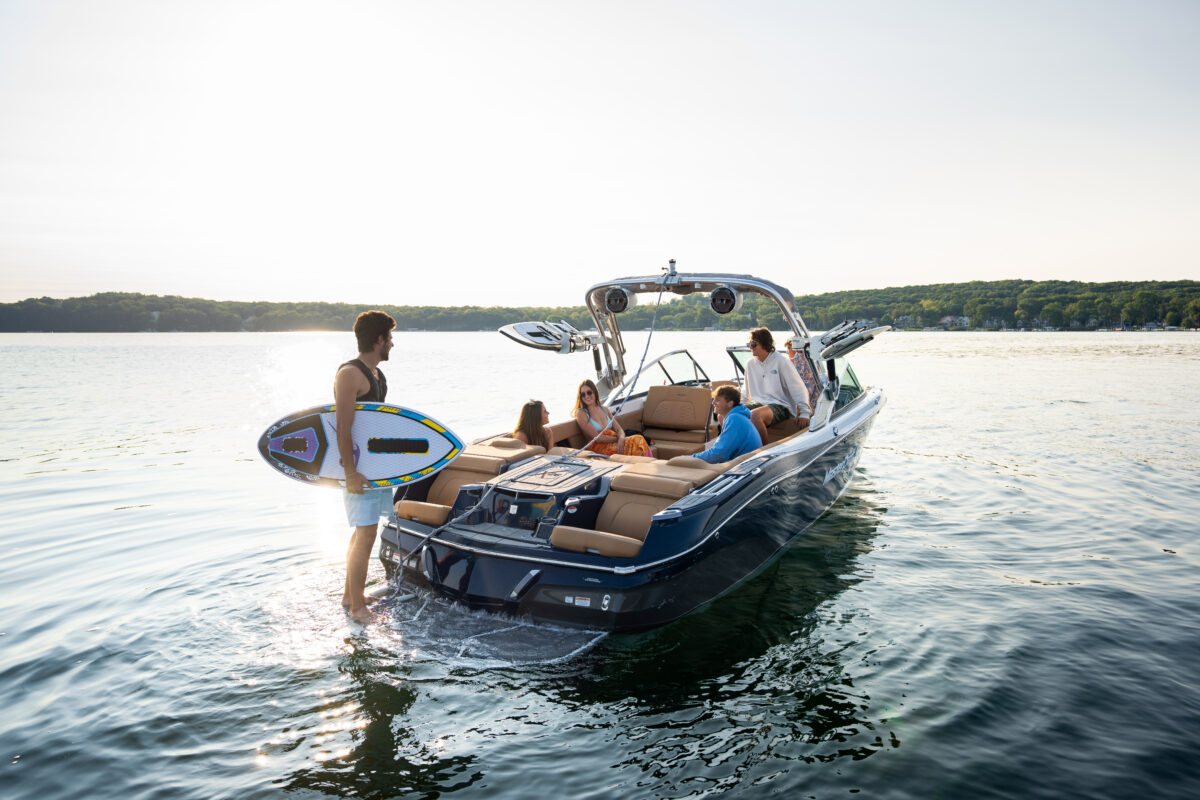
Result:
<point x="759" y="416"/>
<point x="358" y="556"/>
<point x="346" y="590"/>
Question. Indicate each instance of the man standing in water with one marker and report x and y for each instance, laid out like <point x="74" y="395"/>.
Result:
<point x="360" y="380"/>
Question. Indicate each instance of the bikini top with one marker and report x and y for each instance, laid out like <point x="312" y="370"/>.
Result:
<point x="607" y="416"/>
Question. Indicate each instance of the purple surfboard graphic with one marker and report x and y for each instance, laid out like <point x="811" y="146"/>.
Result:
<point x="301" y="444"/>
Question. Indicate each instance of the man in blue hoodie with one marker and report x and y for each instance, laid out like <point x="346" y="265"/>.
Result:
<point x="738" y="435"/>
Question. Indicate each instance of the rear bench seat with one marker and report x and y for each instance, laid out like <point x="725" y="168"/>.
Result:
<point x="624" y="517"/>
<point x="695" y="472"/>
<point x="505" y="448"/>
<point x="676" y="419"/>
<point x="467" y="468"/>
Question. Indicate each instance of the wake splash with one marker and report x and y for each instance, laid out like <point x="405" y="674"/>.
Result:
<point x="305" y="627"/>
<point x="454" y="636"/>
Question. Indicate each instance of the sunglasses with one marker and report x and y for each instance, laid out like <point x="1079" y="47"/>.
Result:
<point x="587" y="393"/>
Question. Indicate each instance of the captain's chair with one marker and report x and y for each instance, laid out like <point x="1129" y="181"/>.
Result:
<point x="676" y="418"/>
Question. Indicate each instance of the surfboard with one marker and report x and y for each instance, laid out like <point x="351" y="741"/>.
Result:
<point x="392" y="445"/>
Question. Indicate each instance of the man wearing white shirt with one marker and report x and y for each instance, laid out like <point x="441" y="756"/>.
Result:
<point x="774" y="390"/>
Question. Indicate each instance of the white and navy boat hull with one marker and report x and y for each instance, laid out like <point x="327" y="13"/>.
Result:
<point x="698" y="549"/>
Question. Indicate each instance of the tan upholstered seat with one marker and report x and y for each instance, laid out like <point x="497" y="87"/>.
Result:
<point x="626" y="481"/>
<point x="678" y="413"/>
<point x="782" y="430"/>
<point x="624" y="517"/>
<point x="573" y="451"/>
<point x="505" y="448"/>
<point x="695" y="472"/>
<point x="565" y="451"/>
<point x="670" y="449"/>
<point x="435" y="510"/>
<point x="676" y="419"/>
<point x="583" y="540"/>
<point x="566" y="432"/>
<point x="691" y="462"/>
<point x="689" y="436"/>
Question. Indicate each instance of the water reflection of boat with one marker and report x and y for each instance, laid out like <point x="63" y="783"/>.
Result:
<point x="627" y="543"/>
<point x="777" y="615"/>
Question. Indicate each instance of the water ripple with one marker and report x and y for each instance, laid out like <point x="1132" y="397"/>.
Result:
<point x="1004" y="604"/>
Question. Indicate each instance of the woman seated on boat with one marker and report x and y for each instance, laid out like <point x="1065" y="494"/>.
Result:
<point x="804" y="367"/>
<point x="594" y="419"/>
<point x="532" y="427"/>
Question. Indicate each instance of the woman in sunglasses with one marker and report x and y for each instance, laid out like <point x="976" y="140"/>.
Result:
<point x="594" y="418"/>
<point x="532" y="425"/>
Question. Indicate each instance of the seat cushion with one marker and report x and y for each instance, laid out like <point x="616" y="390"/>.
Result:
<point x="628" y="480"/>
<point x="573" y="451"/>
<point x="428" y="513"/>
<point x="783" y="430"/>
<point x="582" y="540"/>
<point x="467" y="468"/>
<point x="505" y="443"/>
<point x="624" y="516"/>
<point x="478" y="462"/>
<point x="691" y="462"/>
<point x="695" y="475"/>
<point x="668" y="450"/>
<point x="679" y="408"/>
<point x="629" y="513"/>
<point x="567" y="433"/>
<point x="505" y="448"/>
<point x="680" y="436"/>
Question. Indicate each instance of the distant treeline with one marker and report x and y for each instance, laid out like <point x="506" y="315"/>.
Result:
<point x="978" y="304"/>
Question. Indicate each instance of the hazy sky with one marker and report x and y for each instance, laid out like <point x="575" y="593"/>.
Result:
<point x="511" y="152"/>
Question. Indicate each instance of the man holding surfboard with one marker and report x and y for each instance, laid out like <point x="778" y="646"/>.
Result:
<point x="360" y="380"/>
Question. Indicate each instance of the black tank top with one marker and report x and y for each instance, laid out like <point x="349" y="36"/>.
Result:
<point x="378" y="391"/>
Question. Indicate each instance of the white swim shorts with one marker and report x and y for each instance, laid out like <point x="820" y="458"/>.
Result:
<point x="368" y="507"/>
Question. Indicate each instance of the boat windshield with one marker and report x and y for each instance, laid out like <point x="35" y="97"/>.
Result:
<point x="676" y="368"/>
<point x="741" y="357"/>
<point x="849" y="387"/>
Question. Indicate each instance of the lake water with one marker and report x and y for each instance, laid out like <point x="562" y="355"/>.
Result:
<point x="1005" y="603"/>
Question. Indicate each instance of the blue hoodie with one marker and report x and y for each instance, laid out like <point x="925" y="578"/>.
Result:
<point x="738" y="437"/>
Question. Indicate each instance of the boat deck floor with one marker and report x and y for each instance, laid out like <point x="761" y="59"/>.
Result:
<point x="484" y="533"/>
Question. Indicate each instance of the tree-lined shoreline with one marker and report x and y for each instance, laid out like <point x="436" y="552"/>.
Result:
<point x="979" y="305"/>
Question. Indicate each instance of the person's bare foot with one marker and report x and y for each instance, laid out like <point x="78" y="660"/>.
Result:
<point x="363" y="615"/>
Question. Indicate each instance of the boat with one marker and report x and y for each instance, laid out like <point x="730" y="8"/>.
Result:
<point x="629" y="543"/>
